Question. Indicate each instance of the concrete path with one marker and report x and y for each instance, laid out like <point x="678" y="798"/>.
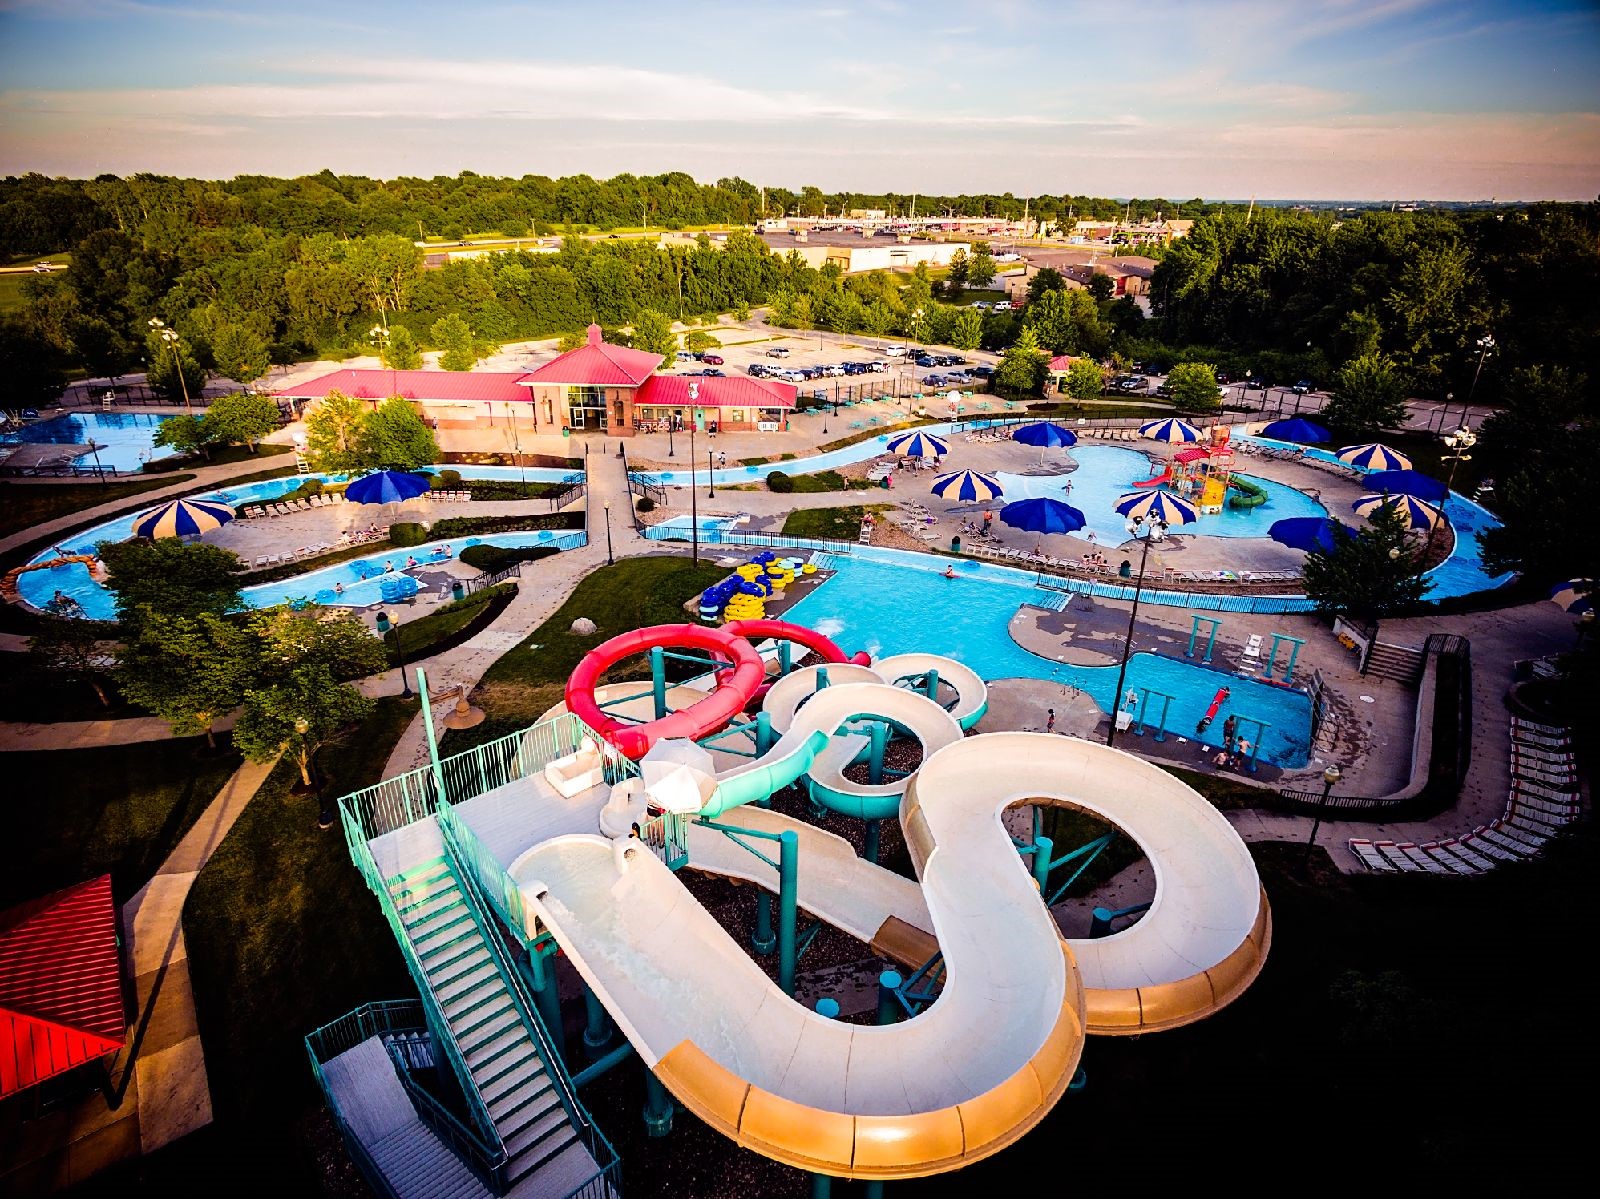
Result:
<point x="90" y="734"/>
<point x="159" y="1090"/>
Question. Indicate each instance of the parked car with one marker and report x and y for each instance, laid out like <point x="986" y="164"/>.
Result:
<point x="759" y="369"/>
<point x="891" y="351"/>
<point x="980" y="371"/>
<point x="778" y="352"/>
<point x="1303" y="386"/>
<point x="711" y="359"/>
<point x="1255" y="384"/>
<point x="714" y="372"/>
<point x="684" y="356"/>
<point x="878" y="368"/>
<point x="43" y="268"/>
<point x="1129" y="383"/>
<point x="933" y="380"/>
<point x="1002" y="305"/>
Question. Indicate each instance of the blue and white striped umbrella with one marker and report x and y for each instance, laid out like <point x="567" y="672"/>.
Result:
<point x="967" y="487"/>
<point x="1575" y="596"/>
<point x="1169" y="430"/>
<point x="1413" y="512"/>
<point x="1374" y="456"/>
<point x="1157" y="505"/>
<point x="918" y="445"/>
<point x="182" y="518"/>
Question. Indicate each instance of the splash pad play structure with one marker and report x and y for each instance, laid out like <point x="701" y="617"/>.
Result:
<point x="1204" y="474"/>
<point x="570" y="835"/>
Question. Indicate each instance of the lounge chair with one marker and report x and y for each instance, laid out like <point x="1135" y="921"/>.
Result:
<point x="261" y="561"/>
<point x="1250" y="659"/>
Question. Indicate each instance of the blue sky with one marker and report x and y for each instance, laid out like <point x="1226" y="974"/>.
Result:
<point x="1304" y="99"/>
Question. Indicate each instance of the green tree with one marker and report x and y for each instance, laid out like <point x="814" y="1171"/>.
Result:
<point x="1100" y="287"/>
<point x="570" y="341"/>
<point x="652" y="332"/>
<point x="172" y="369"/>
<point x="1536" y="533"/>
<point x="240" y="418"/>
<point x="1193" y="387"/>
<point x="1085" y="380"/>
<point x="1370" y="576"/>
<point x="400" y="351"/>
<point x="1024" y="366"/>
<point x="240" y="354"/>
<point x="170" y="578"/>
<point x="1368" y="396"/>
<point x="959" y="274"/>
<point x="336" y="433"/>
<point x="188" y="670"/>
<point x="183" y="434"/>
<point x="698" y="341"/>
<point x="34" y="370"/>
<point x="72" y="647"/>
<point x="104" y="351"/>
<point x="967" y="330"/>
<point x="1048" y="279"/>
<point x="394" y="437"/>
<point x="454" y="337"/>
<point x="980" y="266"/>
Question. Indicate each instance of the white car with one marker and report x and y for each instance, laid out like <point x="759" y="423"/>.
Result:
<point x="43" y="268"/>
<point x="878" y="368"/>
<point x="895" y="351"/>
<point x="981" y="305"/>
<point x="1002" y="305"/>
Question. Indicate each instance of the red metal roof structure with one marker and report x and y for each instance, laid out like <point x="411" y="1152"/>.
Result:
<point x="60" y="984"/>
<point x="413" y="385"/>
<point x="711" y="391"/>
<point x="1062" y="361"/>
<point x="597" y="364"/>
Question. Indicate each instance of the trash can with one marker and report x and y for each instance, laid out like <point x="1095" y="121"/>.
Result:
<point x="955" y="544"/>
<point x="458" y="590"/>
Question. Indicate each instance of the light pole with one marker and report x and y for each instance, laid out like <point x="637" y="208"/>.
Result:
<point x="170" y="337"/>
<point x="610" y="561"/>
<point x="302" y="726"/>
<point x="1330" y="776"/>
<point x="386" y="622"/>
<point x="1147" y="529"/>
<point x="1462" y="440"/>
<point x="711" y="478"/>
<point x="1485" y="348"/>
<point x="672" y="425"/>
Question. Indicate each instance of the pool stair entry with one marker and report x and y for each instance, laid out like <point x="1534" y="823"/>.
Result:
<point x="1051" y="600"/>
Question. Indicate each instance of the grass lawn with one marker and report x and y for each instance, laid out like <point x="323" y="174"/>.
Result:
<point x="32" y="693"/>
<point x="24" y="505"/>
<point x="841" y="524"/>
<point x="283" y="936"/>
<point x="524" y="683"/>
<point x="119" y="808"/>
<point x="424" y="633"/>
<point x="221" y="455"/>
<point x="827" y="480"/>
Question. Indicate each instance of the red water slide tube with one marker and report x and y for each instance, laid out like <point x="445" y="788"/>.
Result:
<point x="735" y="685"/>
<point x="782" y="630"/>
<point x="1164" y="477"/>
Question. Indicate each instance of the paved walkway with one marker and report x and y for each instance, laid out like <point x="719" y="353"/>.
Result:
<point x="159" y="1086"/>
<point x="90" y="734"/>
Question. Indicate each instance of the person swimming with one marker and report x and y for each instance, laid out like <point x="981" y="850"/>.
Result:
<point x="949" y="572"/>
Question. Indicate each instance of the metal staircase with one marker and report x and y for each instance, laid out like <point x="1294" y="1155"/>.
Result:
<point x="523" y="1100"/>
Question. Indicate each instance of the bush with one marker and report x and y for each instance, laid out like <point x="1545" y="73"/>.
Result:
<point x="645" y="504"/>
<point x="406" y="532"/>
<point x="779" y="481"/>
<point x="445" y="480"/>
<point x="490" y="558"/>
<point x="310" y="487"/>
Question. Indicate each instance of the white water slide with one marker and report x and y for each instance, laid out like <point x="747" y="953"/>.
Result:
<point x="987" y="1060"/>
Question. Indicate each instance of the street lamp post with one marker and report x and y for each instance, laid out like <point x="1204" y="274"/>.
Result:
<point x="386" y="622"/>
<point x="1330" y="776"/>
<point x="1147" y="529"/>
<point x="610" y="561"/>
<point x="672" y="425"/>
<point x="170" y="337"/>
<point x="711" y="478"/>
<point x="1485" y="348"/>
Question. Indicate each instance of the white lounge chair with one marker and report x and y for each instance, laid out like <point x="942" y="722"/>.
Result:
<point x="1250" y="659"/>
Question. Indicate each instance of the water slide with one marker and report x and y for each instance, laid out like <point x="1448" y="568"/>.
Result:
<point x="1159" y="480"/>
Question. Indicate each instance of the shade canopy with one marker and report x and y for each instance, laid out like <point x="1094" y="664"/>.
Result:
<point x="1575" y="596"/>
<point x="1413" y="512"/>
<point x="1310" y="532"/>
<point x="386" y="487"/>
<point x="967" y="487"/>
<point x="1044" y="434"/>
<point x="1043" y="516"/>
<point x="918" y="445"/>
<point x="1374" y="456"/>
<point x="1157" y="505"/>
<point x="679" y="775"/>
<point x="1170" y="430"/>
<point x="1407" y="482"/>
<point x="1296" y="429"/>
<point x="182" y="518"/>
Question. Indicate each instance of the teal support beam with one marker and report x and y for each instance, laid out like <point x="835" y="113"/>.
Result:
<point x="1041" y="863"/>
<point x="873" y="1189"/>
<point x="596" y="1023"/>
<point x="870" y="850"/>
<point x="785" y="658"/>
<point x="1161" y="729"/>
<point x="1038" y="821"/>
<point x="1079" y="1080"/>
<point x="764" y="737"/>
<point x="878" y="731"/>
<point x="931" y="685"/>
<point x="764" y="940"/>
<point x="657" y="1106"/>
<point x="822" y="677"/>
<point x="1294" y="655"/>
<point x="889" y="1009"/>
<point x="788" y="888"/>
<point x="548" y="1000"/>
<point x="603" y="1065"/>
<point x="658" y="679"/>
<point x="1211" y="639"/>
<point x="821" y="1187"/>
<point x="432" y="733"/>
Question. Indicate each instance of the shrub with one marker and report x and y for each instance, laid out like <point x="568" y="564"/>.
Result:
<point x="779" y="481"/>
<point x="406" y="532"/>
<point x="490" y="558"/>
<point x="311" y="487"/>
<point x="645" y="504"/>
<point x="446" y="480"/>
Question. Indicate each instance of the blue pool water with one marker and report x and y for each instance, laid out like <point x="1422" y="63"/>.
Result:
<point x="124" y="438"/>
<point x="897" y="605"/>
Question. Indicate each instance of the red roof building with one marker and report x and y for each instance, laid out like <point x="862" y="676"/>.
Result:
<point x="735" y="391"/>
<point x="421" y="386"/>
<point x="60" y="984"/>
<point x="597" y="364"/>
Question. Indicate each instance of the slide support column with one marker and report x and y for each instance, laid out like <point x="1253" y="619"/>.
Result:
<point x="657" y="1106"/>
<point x="1041" y="861"/>
<point x="764" y="738"/>
<point x="658" y="679"/>
<point x="879" y="733"/>
<point x="763" y="940"/>
<point x="870" y="850"/>
<point x="788" y="886"/>
<point x="931" y="685"/>
<point x="596" y="1025"/>
<point x="888" y="1002"/>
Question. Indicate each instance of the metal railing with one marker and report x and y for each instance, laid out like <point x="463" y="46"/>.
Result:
<point x="576" y="488"/>
<point x="385" y="1019"/>
<point x="483" y="582"/>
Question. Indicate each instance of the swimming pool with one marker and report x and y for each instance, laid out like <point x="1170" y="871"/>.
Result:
<point x="898" y="605"/>
<point x="125" y="438"/>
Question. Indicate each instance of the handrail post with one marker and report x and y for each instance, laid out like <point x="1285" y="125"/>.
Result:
<point x="433" y="737"/>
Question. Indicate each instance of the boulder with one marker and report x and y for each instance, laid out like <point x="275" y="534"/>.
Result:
<point x="584" y="627"/>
